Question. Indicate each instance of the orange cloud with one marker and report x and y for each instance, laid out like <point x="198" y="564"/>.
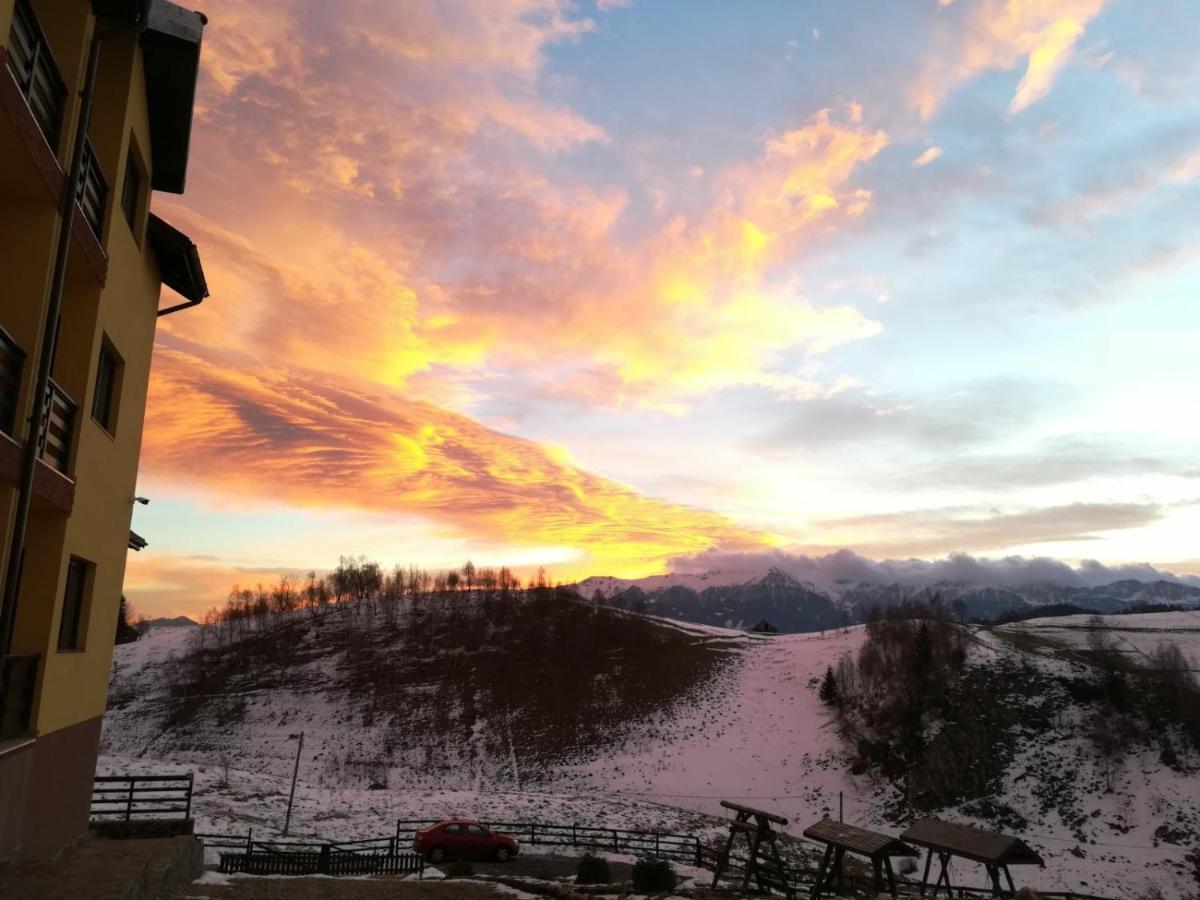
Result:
<point x="1003" y="34"/>
<point x="384" y="233"/>
<point x="314" y="440"/>
<point x="389" y="147"/>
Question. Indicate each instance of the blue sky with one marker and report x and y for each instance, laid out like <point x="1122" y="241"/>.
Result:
<point x="617" y="283"/>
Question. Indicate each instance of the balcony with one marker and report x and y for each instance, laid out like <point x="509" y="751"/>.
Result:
<point x="93" y="190"/>
<point x="12" y="358"/>
<point x="36" y="73"/>
<point x="58" y="429"/>
<point x="18" y="678"/>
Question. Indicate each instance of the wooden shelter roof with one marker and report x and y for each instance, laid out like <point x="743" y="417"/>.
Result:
<point x="858" y="840"/>
<point x="757" y="813"/>
<point x="971" y="843"/>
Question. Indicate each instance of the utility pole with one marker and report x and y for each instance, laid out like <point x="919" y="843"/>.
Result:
<point x="295" y="772"/>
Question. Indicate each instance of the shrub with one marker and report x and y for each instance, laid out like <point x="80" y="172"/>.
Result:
<point x="593" y="870"/>
<point x="459" y="869"/>
<point x="653" y="875"/>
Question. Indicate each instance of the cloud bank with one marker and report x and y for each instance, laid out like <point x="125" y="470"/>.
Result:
<point x="1008" y="572"/>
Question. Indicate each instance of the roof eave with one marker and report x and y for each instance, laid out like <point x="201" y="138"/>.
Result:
<point x="178" y="262"/>
<point x="171" y="57"/>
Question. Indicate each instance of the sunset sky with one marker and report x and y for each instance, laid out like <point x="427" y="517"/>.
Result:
<point x="596" y="284"/>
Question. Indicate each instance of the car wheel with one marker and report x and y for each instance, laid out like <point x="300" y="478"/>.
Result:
<point x="436" y="855"/>
<point x="502" y="854"/>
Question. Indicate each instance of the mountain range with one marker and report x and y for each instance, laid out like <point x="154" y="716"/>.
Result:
<point x="793" y="605"/>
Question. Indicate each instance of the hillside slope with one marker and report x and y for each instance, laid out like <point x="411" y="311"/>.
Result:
<point x="597" y="716"/>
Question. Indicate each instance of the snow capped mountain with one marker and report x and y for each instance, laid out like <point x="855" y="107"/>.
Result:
<point x="792" y="604"/>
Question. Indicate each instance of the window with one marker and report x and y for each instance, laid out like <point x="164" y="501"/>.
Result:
<point x="476" y="831"/>
<point x="107" y="389"/>
<point x="131" y="193"/>
<point x="454" y="829"/>
<point x="70" y="628"/>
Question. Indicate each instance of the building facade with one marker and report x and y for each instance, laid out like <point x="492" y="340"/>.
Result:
<point x="56" y="636"/>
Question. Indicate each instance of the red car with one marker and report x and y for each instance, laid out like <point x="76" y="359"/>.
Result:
<point x="463" y="839"/>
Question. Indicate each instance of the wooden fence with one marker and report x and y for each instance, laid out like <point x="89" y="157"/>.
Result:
<point x="370" y="856"/>
<point x="661" y="845"/>
<point x="129" y="797"/>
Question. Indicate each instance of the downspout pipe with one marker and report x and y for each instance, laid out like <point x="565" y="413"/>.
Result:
<point x="179" y="306"/>
<point x="41" y="385"/>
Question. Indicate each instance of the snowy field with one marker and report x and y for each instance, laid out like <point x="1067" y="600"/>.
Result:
<point x="1137" y="634"/>
<point x="760" y="736"/>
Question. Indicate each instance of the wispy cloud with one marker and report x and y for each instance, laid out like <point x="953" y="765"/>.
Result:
<point x="926" y="157"/>
<point x="1003" y="35"/>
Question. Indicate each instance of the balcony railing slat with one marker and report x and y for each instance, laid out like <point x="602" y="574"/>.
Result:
<point x="93" y="190"/>
<point x="38" y="76"/>
<point x="58" y="425"/>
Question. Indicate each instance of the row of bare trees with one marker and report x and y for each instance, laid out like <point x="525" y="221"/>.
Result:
<point x="359" y="579"/>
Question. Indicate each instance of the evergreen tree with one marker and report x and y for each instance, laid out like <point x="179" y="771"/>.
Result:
<point x="829" y="688"/>
<point x="922" y="651"/>
<point x="126" y="633"/>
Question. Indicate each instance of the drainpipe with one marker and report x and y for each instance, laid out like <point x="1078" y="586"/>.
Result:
<point x="41" y="385"/>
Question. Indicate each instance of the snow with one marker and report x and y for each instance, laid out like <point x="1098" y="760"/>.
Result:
<point x="760" y="736"/>
<point x="1136" y="634"/>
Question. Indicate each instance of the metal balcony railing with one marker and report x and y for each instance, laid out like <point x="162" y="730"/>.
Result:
<point x="93" y="190"/>
<point x="58" y="428"/>
<point x="18" y="678"/>
<point x="36" y="72"/>
<point x="12" y="358"/>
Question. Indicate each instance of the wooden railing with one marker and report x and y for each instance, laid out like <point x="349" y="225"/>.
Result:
<point x="37" y="74"/>
<point x="18" y="679"/>
<point x="370" y="856"/>
<point x="93" y="190"/>
<point x="12" y="359"/>
<point x="141" y="797"/>
<point x="58" y="428"/>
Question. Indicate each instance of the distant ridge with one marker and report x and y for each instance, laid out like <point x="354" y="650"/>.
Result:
<point x="176" y="622"/>
<point x="731" y="600"/>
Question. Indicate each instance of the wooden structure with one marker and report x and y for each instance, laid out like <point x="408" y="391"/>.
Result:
<point x="763" y="863"/>
<point x="840" y="839"/>
<point x="996" y="852"/>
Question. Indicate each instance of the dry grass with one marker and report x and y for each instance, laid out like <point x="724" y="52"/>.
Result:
<point x="555" y="679"/>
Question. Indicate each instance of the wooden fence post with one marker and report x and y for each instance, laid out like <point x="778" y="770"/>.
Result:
<point x="250" y="841"/>
<point x="616" y="842"/>
<point x="129" y="801"/>
<point x="699" y="855"/>
<point x="188" y="813"/>
<point x="574" y="834"/>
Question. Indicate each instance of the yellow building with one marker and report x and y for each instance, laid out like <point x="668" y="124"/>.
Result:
<point x="58" y="621"/>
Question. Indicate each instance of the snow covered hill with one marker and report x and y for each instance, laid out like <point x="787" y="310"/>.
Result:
<point x="405" y="720"/>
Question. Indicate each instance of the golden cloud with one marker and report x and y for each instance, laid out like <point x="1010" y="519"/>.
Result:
<point x="312" y="440"/>
<point x="1000" y="35"/>
<point x="376" y="160"/>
